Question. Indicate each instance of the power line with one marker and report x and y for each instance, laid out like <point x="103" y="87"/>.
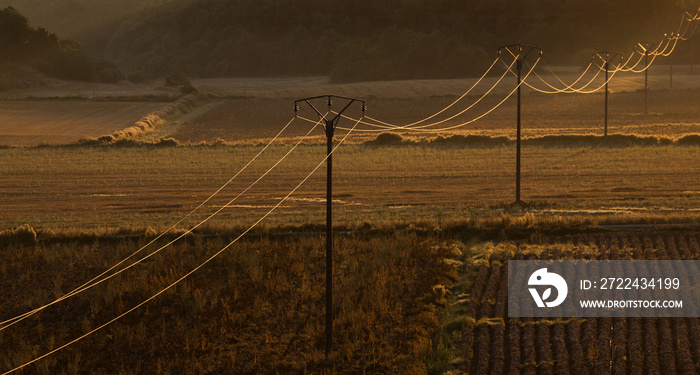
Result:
<point x="661" y="49"/>
<point x="669" y="46"/>
<point x="22" y="316"/>
<point x="191" y="271"/>
<point x="449" y="106"/>
<point x="664" y="48"/>
<point x="98" y="280"/>
<point x="463" y="124"/>
<point x="384" y="126"/>
<point x="389" y="126"/>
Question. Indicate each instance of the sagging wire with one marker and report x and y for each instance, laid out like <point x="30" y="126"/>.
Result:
<point x="626" y="68"/>
<point x="564" y="83"/>
<point x="384" y="126"/>
<point x="394" y="126"/>
<point x="170" y="286"/>
<point x="449" y="128"/>
<point x="488" y="92"/>
<point x="566" y="90"/>
<point x="100" y="279"/>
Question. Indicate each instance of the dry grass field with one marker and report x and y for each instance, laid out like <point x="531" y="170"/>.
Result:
<point x="493" y="343"/>
<point x="672" y="114"/>
<point x="30" y="123"/>
<point x="424" y="228"/>
<point x="245" y="110"/>
<point x="148" y="186"/>
<point x="405" y="304"/>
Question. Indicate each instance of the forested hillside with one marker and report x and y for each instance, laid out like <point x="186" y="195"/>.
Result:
<point x="367" y="39"/>
<point x="350" y="39"/>
<point x="36" y="47"/>
<point x="90" y="22"/>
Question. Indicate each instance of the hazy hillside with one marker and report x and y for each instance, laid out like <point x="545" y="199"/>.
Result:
<point x="24" y="45"/>
<point x="90" y="22"/>
<point x="366" y="39"/>
<point x="351" y="39"/>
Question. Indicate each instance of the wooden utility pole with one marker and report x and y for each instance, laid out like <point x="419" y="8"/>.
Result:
<point x="330" y="122"/>
<point x="646" y="47"/>
<point x="520" y="52"/>
<point x="607" y="57"/>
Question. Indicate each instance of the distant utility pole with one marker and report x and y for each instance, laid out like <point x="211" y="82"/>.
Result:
<point x="330" y="122"/>
<point x="607" y="57"/>
<point x="692" y="48"/>
<point x="692" y="56"/>
<point x="670" y="87"/>
<point x="646" y="47"/>
<point x="671" y="83"/>
<point x="520" y="52"/>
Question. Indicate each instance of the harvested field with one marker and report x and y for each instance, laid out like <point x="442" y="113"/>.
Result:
<point x="411" y="217"/>
<point x="263" y="301"/>
<point x="30" y="123"/>
<point x="672" y="114"/>
<point x="296" y="88"/>
<point x="502" y="345"/>
<point x="142" y="186"/>
<point x="248" y="110"/>
<point x="257" y="310"/>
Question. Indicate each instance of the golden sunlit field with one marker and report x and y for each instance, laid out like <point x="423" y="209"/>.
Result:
<point x="92" y="188"/>
<point x="30" y="123"/>
<point x="423" y="175"/>
<point x="339" y="188"/>
<point x="241" y="110"/>
<point x="425" y="222"/>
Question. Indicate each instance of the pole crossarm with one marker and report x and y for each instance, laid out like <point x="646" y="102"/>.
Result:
<point x="607" y="58"/>
<point x="329" y="101"/>
<point x="520" y="48"/>
<point x="646" y="47"/>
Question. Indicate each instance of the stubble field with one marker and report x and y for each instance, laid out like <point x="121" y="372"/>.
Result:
<point x="93" y="188"/>
<point x="425" y="229"/>
<point x="34" y="122"/>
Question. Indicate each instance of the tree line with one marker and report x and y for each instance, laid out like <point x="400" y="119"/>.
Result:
<point x="353" y="40"/>
<point x="49" y="54"/>
<point x="370" y="40"/>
